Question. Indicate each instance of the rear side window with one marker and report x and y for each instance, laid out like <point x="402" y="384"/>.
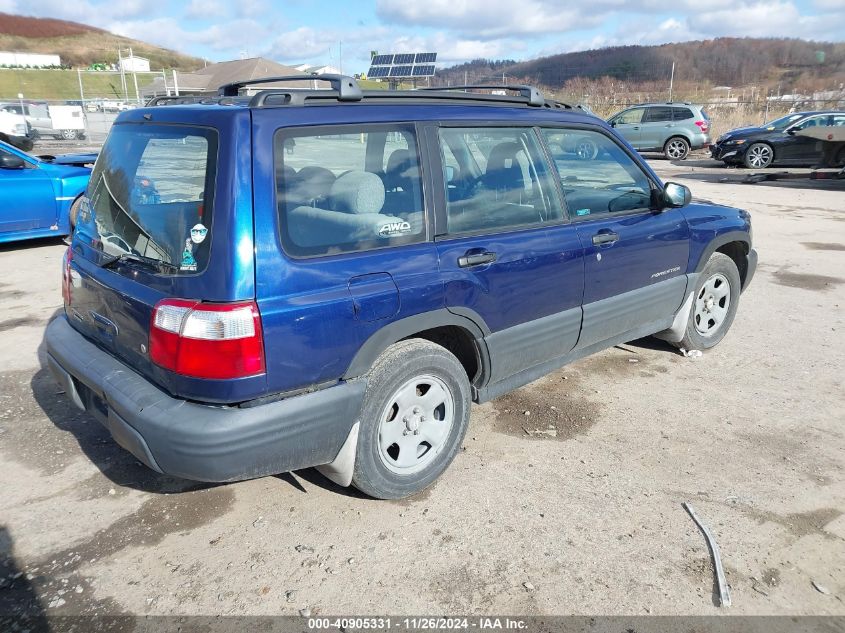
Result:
<point x="151" y="194"/>
<point x="496" y="178"/>
<point x="346" y="189"/>
<point x="658" y="114"/>
<point x="682" y="114"/>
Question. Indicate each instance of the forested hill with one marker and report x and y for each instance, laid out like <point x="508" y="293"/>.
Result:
<point x="794" y="64"/>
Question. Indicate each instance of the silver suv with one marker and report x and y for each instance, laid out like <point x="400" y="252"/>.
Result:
<point x="671" y="128"/>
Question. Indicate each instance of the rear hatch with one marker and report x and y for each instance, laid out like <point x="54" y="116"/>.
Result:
<point x="147" y="232"/>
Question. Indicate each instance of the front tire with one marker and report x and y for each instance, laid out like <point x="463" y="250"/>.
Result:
<point x="676" y="148"/>
<point x="69" y="135"/>
<point x="714" y="304"/>
<point x="413" y="421"/>
<point x="758" y="156"/>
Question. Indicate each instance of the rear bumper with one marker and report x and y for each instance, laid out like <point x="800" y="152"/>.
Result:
<point x="196" y="441"/>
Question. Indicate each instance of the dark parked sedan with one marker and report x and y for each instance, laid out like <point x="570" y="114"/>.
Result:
<point x="775" y="142"/>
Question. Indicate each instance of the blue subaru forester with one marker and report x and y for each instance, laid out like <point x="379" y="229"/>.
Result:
<point x="329" y="278"/>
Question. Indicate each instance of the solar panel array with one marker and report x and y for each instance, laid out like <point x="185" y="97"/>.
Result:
<point x="402" y="65"/>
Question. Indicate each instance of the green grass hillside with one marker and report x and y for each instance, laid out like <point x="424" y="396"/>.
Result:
<point x="80" y="45"/>
<point x="63" y="84"/>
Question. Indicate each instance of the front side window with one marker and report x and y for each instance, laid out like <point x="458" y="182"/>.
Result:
<point x="495" y="178"/>
<point x="151" y="193"/>
<point x="813" y="122"/>
<point x="596" y="174"/>
<point x="632" y="116"/>
<point x="348" y="189"/>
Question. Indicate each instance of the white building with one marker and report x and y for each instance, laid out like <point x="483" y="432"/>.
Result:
<point x="134" y="64"/>
<point x="317" y="70"/>
<point x="29" y="59"/>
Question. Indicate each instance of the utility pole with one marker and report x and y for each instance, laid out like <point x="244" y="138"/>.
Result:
<point x="79" y="78"/>
<point x="122" y="74"/>
<point x="135" y="77"/>
<point x="340" y="55"/>
<point x="671" y="82"/>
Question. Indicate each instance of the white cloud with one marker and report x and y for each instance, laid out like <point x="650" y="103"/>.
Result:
<point x="769" y="19"/>
<point x="8" y="6"/>
<point x="494" y="18"/>
<point x="229" y="37"/>
<point x="206" y="9"/>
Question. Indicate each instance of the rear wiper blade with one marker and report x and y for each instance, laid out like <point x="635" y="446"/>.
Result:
<point x="148" y="262"/>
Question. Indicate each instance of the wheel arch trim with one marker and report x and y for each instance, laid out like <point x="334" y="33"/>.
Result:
<point x="393" y="332"/>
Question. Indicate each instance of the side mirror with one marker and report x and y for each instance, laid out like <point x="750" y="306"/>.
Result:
<point x="791" y="131"/>
<point x="612" y="123"/>
<point x="10" y="161"/>
<point x="451" y="172"/>
<point x="675" y="195"/>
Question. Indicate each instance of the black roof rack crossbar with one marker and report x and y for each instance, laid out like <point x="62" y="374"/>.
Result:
<point x="347" y="88"/>
<point x="533" y="96"/>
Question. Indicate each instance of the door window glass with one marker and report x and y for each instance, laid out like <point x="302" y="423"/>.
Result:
<point x="813" y="122"/>
<point x="658" y="115"/>
<point x="596" y="174"/>
<point x="496" y="178"/>
<point x="348" y="189"/>
<point x="635" y="115"/>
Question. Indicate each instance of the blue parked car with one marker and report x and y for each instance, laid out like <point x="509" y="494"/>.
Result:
<point x="39" y="197"/>
<point x="331" y="277"/>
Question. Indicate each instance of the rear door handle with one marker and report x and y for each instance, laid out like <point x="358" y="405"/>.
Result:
<point x="476" y="259"/>
<point x="605" y="238"/>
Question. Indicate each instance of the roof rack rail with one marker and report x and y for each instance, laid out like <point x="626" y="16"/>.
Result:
<point x="347" y="88"/>
<point x="188" y="99"/>
<point x="533" y="96"/>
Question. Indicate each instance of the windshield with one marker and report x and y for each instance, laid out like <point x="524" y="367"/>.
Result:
<point x="783" y="122"/>
<point x="150" y="195"/>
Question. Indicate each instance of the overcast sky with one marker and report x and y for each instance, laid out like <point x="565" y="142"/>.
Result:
<point x="300" y="31"/>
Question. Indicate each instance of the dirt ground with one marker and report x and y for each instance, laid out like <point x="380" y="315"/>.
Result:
<point x="565" y="500"/>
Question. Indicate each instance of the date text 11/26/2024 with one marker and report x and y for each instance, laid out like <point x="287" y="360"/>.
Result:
<point x="417" y="623"/>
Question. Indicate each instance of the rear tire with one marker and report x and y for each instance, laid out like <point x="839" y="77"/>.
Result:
<point x="413" y="421"/>
<point x="69" y="135"/>
<point x="676" y="148"/>
<point x="714" y="304"/>
<point x="73" y="214"/>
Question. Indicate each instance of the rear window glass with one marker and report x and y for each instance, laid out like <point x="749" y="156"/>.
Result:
<point x="348" y="189"/>
<point x="151" y="195"/>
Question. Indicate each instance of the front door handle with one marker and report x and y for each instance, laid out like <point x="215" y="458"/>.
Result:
<point x="605" y="238"/>
<point x="476" y="259"/>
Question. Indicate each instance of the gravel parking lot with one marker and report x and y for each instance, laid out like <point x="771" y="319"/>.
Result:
<point x="566" y="498"/>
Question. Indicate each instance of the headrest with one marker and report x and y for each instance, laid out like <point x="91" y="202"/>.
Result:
<point x="503" y="156"/>
<point x="357" y="192"/>
<point x="399" y="160"/>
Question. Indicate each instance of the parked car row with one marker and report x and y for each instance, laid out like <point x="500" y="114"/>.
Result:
<point x="676" y="128"/>
<point x="59" y="121"/>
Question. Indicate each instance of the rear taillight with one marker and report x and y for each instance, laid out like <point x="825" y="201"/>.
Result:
<point x="207" y="340"/>
<point x="67" y="284"/>
<point x="704" y="125"/>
